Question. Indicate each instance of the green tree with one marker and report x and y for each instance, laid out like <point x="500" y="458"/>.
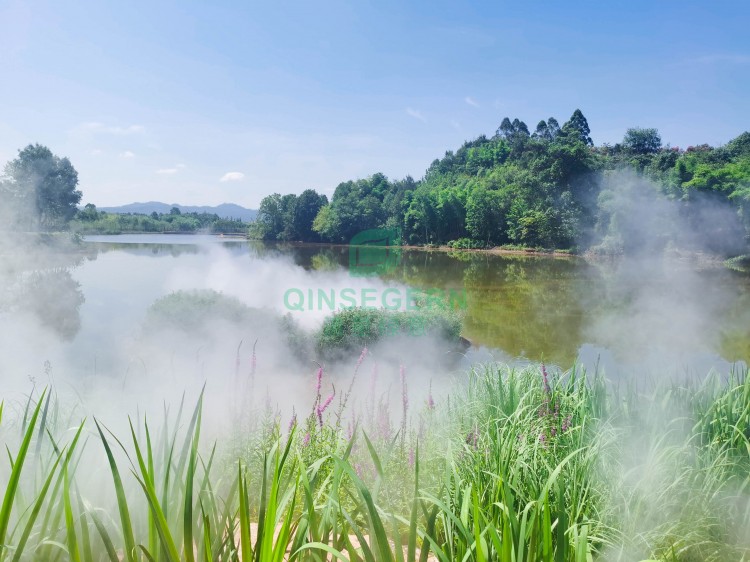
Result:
<point x="40" y="187"/>
<point x="577" y="127"/>
<point x="88" y="213"/>
<point x="642" y="141"/>
<point x="307" y="206"/>
<point x="484" y="215"/>
<point x="269" y="223"/>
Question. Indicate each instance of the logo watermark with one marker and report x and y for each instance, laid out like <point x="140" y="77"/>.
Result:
<point x="388" y="298"/>
<point x="373" y="253"/>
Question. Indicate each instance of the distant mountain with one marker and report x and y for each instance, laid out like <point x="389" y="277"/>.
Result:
<point x="225" y="210"/>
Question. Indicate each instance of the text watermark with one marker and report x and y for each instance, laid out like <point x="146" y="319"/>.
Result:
<point x="389" y="298"/>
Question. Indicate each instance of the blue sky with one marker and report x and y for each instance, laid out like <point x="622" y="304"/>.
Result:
<point x="201" y="103"/>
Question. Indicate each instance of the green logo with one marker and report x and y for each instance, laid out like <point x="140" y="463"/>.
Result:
<point x="373" y="252"/>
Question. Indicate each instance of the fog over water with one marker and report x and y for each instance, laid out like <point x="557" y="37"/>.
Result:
<point x="82" y="324"/>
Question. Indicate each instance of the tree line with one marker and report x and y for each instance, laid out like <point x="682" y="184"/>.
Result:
<point x="89" y="220"/>
<point x="39" y="192"/>
<point x="550" y="188"/>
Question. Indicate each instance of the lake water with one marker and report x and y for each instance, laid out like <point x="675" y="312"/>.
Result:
<point x="645" y="315"/>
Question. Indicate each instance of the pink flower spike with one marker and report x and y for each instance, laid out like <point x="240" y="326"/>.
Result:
<point x="361" y="359"/>
<point x="319" y="382"/>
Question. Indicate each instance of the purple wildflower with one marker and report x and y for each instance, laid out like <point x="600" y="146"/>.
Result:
<point x="306" y="439"/>
<point x="293" y="421"/>
<point x="322" y="408"/>
<point x="411" y="458"/>
<point x="543" y="439"/>
<point x="319" y="382"/>
<point x="361" y="358"/>
<point x="566" y="424"/>
<point x="430" y="400"/>
<point x="545" y="378"/>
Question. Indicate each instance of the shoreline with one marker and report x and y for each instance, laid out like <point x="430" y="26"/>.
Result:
<point x="702" y="259"/>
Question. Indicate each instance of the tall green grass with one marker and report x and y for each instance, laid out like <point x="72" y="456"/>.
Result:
<point x="515" y="466"/>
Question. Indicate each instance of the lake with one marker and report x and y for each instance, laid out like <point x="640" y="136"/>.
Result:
<point x="651" y="316"/>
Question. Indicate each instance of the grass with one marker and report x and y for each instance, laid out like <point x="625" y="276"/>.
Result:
<point x="512" y="466"/>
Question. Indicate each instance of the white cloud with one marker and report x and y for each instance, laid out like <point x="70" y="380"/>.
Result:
<point x="232" y="176"/>
<point x="96" y="127"/>
<point x="96" y="152"/>
<point x="170" y="171"/>
<point x="127" y="154"/>
<point x="416" y="114"/>
<point x="471" y="101"/>
<point x="456" y="125"/>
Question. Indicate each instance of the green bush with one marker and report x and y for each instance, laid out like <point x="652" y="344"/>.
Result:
<point x="357" y="327"/>
<point x="467" y="244"/>
<point x="199" y="312"/>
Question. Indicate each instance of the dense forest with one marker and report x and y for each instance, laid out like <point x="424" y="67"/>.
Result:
<point x="550" y="188"/>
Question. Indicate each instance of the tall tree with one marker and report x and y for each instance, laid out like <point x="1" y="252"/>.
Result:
<point x="270" y="220"/>
<point x="577" y="127"/>
<point x="306" y="209"/>
<point x="41" y="188"/>
<point x="505" y="129"/>
<point x="542" y="131"/>
<point x="553" y="128"/>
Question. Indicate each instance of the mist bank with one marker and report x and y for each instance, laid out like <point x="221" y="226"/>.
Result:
<point x="88" y="312"/>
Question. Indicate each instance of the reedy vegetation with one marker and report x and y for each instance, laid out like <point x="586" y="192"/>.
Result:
<point x="514" y="465"/>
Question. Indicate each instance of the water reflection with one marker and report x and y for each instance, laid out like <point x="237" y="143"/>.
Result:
<point x="153" y="250"/>
<point x="39" y="284"/>
<point x="556" y="310"/>
<point x="568" y="309"/>
<point x="55" y="299"/>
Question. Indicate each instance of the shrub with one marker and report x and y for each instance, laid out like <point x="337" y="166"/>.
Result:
<point x="467" y="244"/>
<point x="357" y="327"/>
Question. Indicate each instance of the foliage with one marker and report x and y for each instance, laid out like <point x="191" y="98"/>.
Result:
<point x="290" y="217"/>
<point x="192" y="310"/>
<point x="91" y="221"/>
<point x="547" y="189"/>
<point x="467" y="244"/>
<point x="517" y="465"/>
<point x="55" y="298"/>
<point x="208" y="314"/>
<point x="39" y="188"/>
<point x="642" y="141"/>
<point x="355" y="328"/>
